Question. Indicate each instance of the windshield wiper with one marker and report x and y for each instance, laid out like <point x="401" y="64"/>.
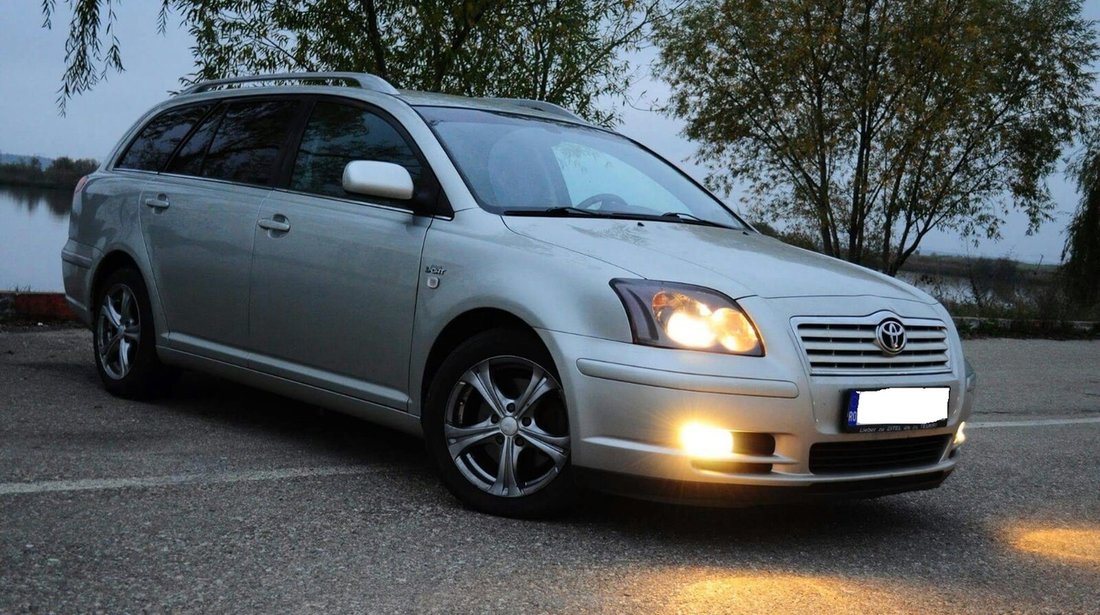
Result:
<point x="561" y="212"/>
<point x="555" y="211"/>
<point x="692" y="219"/>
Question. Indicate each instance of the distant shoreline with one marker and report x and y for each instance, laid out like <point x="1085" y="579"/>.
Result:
<point x="45" y="185"/>
<point x="30" y="172"/>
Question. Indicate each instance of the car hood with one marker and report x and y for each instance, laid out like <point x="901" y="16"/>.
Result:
<point x="747" y="262"/>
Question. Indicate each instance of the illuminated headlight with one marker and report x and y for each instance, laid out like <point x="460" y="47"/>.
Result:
<point x="674" y="315"/>
<point x="960" y="435"/>
<point x="700" y="440"/>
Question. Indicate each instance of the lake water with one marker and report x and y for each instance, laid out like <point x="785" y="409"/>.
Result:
<point x="34" y="225"/>
<point x="944" y="288"/>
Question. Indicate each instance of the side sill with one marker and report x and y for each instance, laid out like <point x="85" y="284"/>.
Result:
<point x="369" y="411"/>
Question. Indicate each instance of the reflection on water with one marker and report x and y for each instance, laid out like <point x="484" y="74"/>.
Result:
<point x="34" y="224"/>
<point x="58" y="202"/>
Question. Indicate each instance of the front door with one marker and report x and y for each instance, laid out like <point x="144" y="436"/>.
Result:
<point x="334" y="275"/>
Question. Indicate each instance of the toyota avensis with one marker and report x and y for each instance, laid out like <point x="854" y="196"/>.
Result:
<point x="549" y="304"/>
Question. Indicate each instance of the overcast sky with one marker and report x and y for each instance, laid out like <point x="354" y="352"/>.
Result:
<point x="32" y="60"/>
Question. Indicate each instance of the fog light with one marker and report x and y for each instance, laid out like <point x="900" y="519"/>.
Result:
<point x="703" y="441"/>
<point x="960" y="435"/>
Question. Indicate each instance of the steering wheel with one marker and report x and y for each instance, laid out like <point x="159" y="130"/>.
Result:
<point x="604" y="198"/>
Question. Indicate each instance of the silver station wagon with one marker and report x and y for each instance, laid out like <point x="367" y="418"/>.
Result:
<point x="549" y="304"/>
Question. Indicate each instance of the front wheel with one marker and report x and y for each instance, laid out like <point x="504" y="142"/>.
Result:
<point x="497" y="428"/>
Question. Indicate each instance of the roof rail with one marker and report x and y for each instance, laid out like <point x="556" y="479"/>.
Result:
<point x="540" y="105"/>
<point x="366" y="81"/>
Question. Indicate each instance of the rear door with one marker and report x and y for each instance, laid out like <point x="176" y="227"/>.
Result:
<point x="334" y="277"/>
<point x="199" y="216"/>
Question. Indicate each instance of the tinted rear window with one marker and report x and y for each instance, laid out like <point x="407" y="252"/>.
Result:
<point x="188" y="160"/>
<point x="247" y="142"/>
<point x="156" y="142"/>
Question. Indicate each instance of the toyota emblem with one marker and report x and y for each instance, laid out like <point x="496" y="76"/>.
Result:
<point x="890" y="336"/>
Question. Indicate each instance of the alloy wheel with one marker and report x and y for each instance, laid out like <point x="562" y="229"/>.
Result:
<point x="506" y="426"/>
<point x="118" y="331"/>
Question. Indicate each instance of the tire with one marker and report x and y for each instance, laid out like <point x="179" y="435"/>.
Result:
<point x="468" y="435"/>
<point x="124" y="338"/>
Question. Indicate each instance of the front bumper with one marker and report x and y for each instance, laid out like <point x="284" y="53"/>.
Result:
<point x="732" y="494"/>
<point x="627" y="403"/>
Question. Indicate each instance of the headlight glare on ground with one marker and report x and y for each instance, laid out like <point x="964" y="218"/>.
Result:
<point x="683" y="316"/>
<point x="704" y="441"/>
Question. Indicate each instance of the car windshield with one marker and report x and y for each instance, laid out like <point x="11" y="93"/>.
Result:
<point x="521" y="165"/>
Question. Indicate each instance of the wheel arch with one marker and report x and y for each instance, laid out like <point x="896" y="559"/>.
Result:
<point x="111" y="262"/>
<point x="458" y="330"/>
<point x="115" y="258"/>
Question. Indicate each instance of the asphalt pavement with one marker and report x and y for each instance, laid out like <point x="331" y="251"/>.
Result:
<point x="222" y="498"/>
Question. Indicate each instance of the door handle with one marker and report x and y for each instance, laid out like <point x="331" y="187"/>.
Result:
<point x="160" y="202"/>
<point x="278" y="224"/>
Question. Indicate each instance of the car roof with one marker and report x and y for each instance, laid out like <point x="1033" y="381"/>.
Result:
<point x="521" y="106"/>
<point x="347" y="84"/>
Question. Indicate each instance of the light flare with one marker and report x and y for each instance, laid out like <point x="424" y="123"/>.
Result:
<point x="704" y="441"/>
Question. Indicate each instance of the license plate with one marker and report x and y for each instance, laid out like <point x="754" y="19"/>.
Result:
<point x="897" y="409"/>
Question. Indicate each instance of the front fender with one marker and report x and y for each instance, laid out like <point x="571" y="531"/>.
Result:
<point x="473" y="261"/>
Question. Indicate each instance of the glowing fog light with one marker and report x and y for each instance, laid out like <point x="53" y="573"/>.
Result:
<point x="703" y="441"/>
<point x="960" y="435"/>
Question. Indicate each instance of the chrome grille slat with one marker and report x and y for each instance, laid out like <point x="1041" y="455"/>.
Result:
<point x="846" y="346"/>
<point x="879" y="360"/>
<point x="868" y="346"/>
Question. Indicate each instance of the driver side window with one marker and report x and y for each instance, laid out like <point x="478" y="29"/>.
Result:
<point x="588" y="172"/>
<point x="338" y="134"/>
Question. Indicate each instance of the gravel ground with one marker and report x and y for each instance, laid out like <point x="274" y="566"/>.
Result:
<point x="222" y="498"/>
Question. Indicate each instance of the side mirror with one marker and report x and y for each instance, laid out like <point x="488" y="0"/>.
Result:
<point x="380" y="179"/>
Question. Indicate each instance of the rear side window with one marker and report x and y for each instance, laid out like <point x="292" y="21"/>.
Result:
<point x="156" y="142"/>
<point x="340" y="133"/>
<point x="188" y="160"/>
<point x="247" y="143"/>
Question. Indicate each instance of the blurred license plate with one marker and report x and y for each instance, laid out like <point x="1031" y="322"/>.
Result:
<point x="897" y="409"/>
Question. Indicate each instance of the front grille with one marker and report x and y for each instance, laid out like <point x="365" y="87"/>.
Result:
<point x="876" y="455"/>
<point x="846" y="346"/>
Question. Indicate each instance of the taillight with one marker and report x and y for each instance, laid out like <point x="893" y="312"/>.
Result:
<point x="80" y="185"/>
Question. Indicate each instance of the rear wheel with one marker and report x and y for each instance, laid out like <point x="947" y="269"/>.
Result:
<point x="497" y="428"/>
<point x="125" y="348"/>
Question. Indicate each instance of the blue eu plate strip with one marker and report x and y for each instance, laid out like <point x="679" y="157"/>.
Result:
<point x="853" y="405"/>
